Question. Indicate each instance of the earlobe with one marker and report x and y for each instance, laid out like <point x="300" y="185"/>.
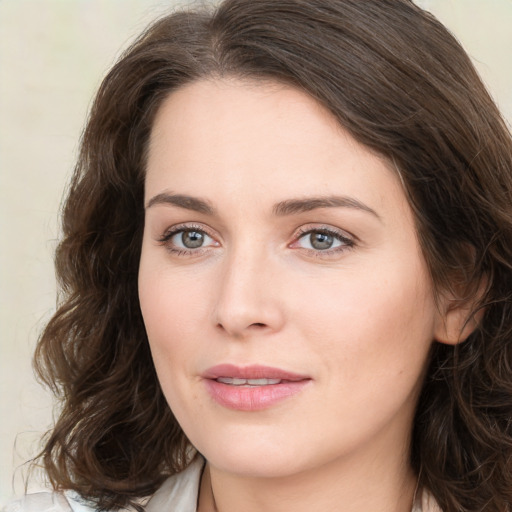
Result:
<point x="459" y="318"/>
<point x="457" y="324"/>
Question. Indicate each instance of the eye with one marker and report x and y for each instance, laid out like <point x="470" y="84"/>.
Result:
<point x="190" y="239"/>
<point x="183" y="240"/>
<point x="323" y="240"/>
<point x="320" y="241"/>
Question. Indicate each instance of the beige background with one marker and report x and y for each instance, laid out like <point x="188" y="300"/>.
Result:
<point x="53" y="54"/>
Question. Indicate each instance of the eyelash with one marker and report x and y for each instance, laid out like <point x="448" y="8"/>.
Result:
<point x="183" y="228"/>
<point x="347" y="243"/>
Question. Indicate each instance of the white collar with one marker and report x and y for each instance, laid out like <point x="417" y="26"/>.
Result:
<point x="179" y="492"/>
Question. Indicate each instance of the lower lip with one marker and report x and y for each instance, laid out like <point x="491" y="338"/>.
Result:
<point x="253" y="398"/>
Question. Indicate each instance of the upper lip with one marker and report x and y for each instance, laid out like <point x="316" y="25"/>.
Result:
<point x="251" y="372"/>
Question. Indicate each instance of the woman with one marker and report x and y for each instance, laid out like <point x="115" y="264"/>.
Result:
<point x="286" y="271"/>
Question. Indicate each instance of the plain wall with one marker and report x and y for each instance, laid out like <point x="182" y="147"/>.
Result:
<point x="53" y="54"/>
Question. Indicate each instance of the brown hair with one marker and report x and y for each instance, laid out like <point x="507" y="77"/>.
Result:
<point x="397" y="80"/>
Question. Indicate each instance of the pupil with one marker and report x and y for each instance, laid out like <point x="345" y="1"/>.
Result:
<point x="321" y="241"/>
<point x="192" y="239"/>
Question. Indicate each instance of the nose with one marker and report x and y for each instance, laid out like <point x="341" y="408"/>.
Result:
<point x="249" y="300"/>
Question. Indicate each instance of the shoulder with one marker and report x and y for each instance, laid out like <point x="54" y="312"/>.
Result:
<point x="39" y="502"/>
<point x="425" y="502"/>
<point x="429" y="503"/>
<point x="178" y="492"/>
<point x="49" y="502"/>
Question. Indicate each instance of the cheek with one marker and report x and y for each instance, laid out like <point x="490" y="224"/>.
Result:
<point x="171" y="302"/>
<point x="373" y="323"/>
<point x="169" y="319"/>
<point x="175" y="309"/>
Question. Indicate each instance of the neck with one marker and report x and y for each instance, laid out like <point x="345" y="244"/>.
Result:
<point x="342" y="485"/>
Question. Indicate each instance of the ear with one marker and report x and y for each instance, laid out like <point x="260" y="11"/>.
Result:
<point x="458" y="318"/>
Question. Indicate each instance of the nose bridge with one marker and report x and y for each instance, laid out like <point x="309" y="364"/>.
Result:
<point x="246" y="297"/>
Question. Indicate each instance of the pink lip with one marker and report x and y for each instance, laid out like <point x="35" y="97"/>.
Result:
<point x="253" y="398"/>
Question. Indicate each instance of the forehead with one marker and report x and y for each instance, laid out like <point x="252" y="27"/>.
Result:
<point x="248" y="137"/>
<point x="258" y="106"/>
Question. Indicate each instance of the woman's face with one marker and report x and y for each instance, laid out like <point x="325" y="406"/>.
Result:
<point x="287" y="304"/>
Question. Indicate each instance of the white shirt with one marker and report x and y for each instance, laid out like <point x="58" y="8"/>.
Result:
<point x="178" y="493"/>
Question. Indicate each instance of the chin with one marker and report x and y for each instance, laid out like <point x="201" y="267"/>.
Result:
<point x="257" y="454"/>
<point x="255" y="464"/>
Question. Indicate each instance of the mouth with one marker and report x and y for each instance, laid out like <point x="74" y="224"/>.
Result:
<point x="252" y="374"/>
<point x="232" y="381"/>
<point x="252" y="388"/>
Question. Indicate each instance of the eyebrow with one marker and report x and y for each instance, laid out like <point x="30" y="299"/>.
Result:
<point x="281" y="209"/>
<point x="182" y="201"/>
<point x="293" y="206"/>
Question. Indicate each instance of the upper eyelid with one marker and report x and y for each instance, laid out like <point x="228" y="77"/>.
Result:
<point x="176" y="228"/>
<point x="308" y="228"/>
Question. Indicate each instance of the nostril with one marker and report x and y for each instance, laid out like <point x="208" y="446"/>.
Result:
<point x="257" y="325"/>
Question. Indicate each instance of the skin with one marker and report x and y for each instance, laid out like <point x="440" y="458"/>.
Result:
<point x="358" y="319"/>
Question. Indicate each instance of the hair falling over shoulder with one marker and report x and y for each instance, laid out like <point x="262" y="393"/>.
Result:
<point x="397" y="80"/>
